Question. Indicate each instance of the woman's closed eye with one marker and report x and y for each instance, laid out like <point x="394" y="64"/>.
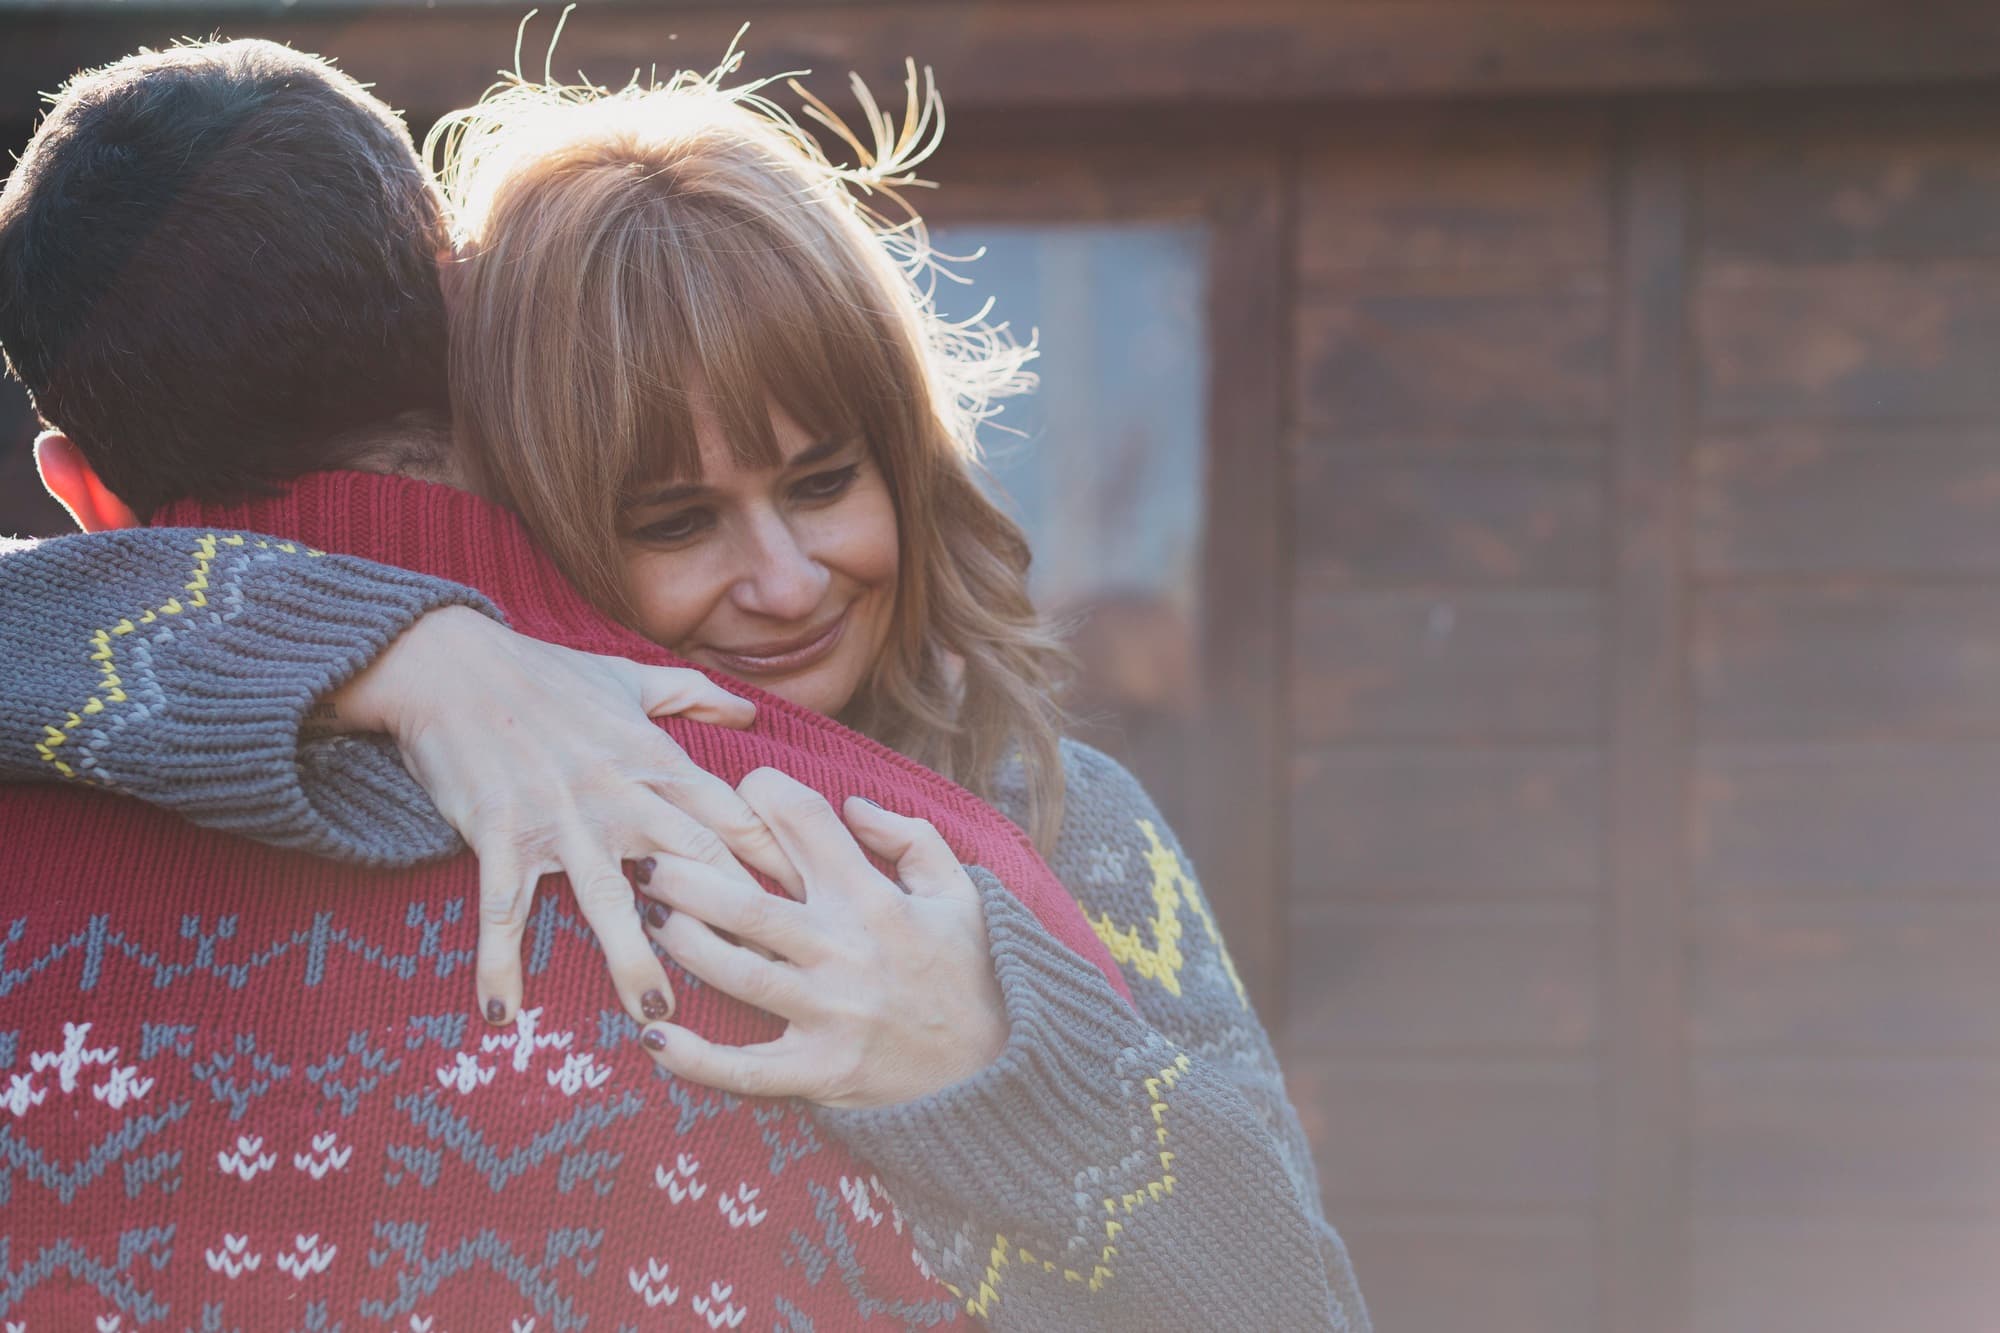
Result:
<point x="672" y="529"/>
<point x="828" y="485"/>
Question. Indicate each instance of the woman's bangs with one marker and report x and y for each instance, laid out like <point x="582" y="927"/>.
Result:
<point x="737" y="324"/>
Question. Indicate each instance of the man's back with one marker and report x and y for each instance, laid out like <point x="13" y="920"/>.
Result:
<point x="243" y="1088"/>
<point x="247" y="1083"/>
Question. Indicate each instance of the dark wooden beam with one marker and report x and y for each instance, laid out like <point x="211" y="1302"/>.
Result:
<point x="1090" y="52"/>
<point x="1645" y="1265"/>
<point x="1242" y="786"/>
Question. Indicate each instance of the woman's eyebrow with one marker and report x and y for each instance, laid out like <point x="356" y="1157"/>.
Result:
<point x="816" y="453"/>
<point x="667" y="495"/>
<point x="806" y="457"/>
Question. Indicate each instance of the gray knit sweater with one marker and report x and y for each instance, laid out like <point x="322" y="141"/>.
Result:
<point x="1037" y="1190"/>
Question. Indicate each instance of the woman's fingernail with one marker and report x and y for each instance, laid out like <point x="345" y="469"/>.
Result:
<point x="865" y="801"/>
<point x="656" y="916"/>
<point x="643" y="871"/>
<point x="655" y="1006"/>
<point x="496" y="1012"/>
<point x="653" y="1039"/>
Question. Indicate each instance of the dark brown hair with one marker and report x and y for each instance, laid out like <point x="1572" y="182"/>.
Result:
<point x="216" y="261"/>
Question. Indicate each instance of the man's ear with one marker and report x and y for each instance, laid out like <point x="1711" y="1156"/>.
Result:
<point x="75" y="483"/>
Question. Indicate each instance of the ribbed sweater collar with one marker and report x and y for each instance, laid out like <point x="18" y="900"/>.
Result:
<point x="432" y="529"/>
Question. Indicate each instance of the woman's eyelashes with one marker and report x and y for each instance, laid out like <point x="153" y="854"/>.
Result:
<point x="674" y="529"/>
<point x="826" y="485"/>
<point x="684" y="525"/>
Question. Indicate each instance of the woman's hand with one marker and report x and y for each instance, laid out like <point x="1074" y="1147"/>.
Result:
<point x="890" y="995"/>
<point x="543" y="759"/>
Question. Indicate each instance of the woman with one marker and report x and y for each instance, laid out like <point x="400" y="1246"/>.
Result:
<point x="690" y="359"/>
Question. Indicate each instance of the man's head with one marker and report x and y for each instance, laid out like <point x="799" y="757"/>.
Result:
<point x="218" y="267"/>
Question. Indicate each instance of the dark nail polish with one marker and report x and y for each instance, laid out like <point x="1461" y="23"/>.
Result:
<point x="656" y="916"/>
<point x="865" y="801"/>
<point x="653" y="1039"/>
<point x="496" y="1012"/>
<point x="643" y="871"/>
<point x="654" y="1005"/>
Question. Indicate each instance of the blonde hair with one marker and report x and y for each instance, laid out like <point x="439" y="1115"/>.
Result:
<point x="616" y="246"/>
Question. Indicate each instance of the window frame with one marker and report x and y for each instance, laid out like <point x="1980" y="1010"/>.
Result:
<point x="1238" y="830"/>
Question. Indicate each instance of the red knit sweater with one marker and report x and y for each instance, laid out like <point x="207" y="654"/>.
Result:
<point x="243" y="1089"/>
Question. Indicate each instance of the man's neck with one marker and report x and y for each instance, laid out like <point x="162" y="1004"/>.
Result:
<point x="414" y="444"/>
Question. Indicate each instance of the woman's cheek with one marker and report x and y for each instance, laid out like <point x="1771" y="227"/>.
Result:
<point x="871" y="542"/>
<point x="669" y="595"/>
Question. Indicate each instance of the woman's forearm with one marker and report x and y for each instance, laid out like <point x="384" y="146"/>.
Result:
<point x="1096" y="1176"/>
<point x="1117" y="1169"/>
<point x="179" y="666"/>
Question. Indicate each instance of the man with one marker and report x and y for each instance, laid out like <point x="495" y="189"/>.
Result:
<point x="240" y="1085"/>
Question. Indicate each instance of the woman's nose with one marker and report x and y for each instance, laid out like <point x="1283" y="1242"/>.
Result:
<point x="783" y="581"/>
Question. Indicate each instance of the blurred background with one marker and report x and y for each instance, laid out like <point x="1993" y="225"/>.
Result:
<point x="1530" y="474"/>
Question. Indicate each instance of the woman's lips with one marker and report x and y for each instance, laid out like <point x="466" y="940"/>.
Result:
<point x="787" y="660"/>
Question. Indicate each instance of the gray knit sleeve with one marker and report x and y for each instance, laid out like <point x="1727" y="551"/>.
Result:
<point x="175" y="665"/>
<point x="1115" y="1170"/>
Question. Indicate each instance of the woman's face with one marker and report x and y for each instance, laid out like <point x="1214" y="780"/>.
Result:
<point x="784" y="577"/>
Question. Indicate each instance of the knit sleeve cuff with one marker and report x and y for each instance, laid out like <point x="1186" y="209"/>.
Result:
<point x="225" y="750"/>
<point x="207" y="653"/>
<point x="1066" y="1096"/>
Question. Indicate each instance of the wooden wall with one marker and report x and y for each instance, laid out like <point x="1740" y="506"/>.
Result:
<point x="1844" y="492"/>
<point x="1645" y="879"/>
<point x="1453" y="408"/>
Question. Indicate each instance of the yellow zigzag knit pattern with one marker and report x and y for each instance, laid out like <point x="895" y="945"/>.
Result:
<point x="1172" y="887"/>
<point x="1005" y="1253"/>
<point x="103" y="642"/>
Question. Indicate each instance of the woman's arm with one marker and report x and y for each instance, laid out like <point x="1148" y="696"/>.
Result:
<point x="1099" y="1175"/>
<point x="1087" y="1165"/>
<point x="1204" y="1007"/>
<point x="186" y="667"/>
<point x="178" y="665"/>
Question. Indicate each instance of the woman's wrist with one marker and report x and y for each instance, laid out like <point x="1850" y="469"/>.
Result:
<point x="385" y="696"/>
<point x="1054" y="1096"/>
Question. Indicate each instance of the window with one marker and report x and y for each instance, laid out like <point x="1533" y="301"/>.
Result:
<point x="1103" y="463"/>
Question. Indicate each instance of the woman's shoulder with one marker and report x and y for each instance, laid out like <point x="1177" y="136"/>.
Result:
<point x="1100" y="796"/>
<point x="1097" y="781"/>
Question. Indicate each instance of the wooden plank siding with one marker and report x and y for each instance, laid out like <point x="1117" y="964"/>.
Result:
<point x="1646" y="699"/>
<point x="1455" y="400"/>
<point x="1830" y="498"/>
<point x="1846" y="863"/>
